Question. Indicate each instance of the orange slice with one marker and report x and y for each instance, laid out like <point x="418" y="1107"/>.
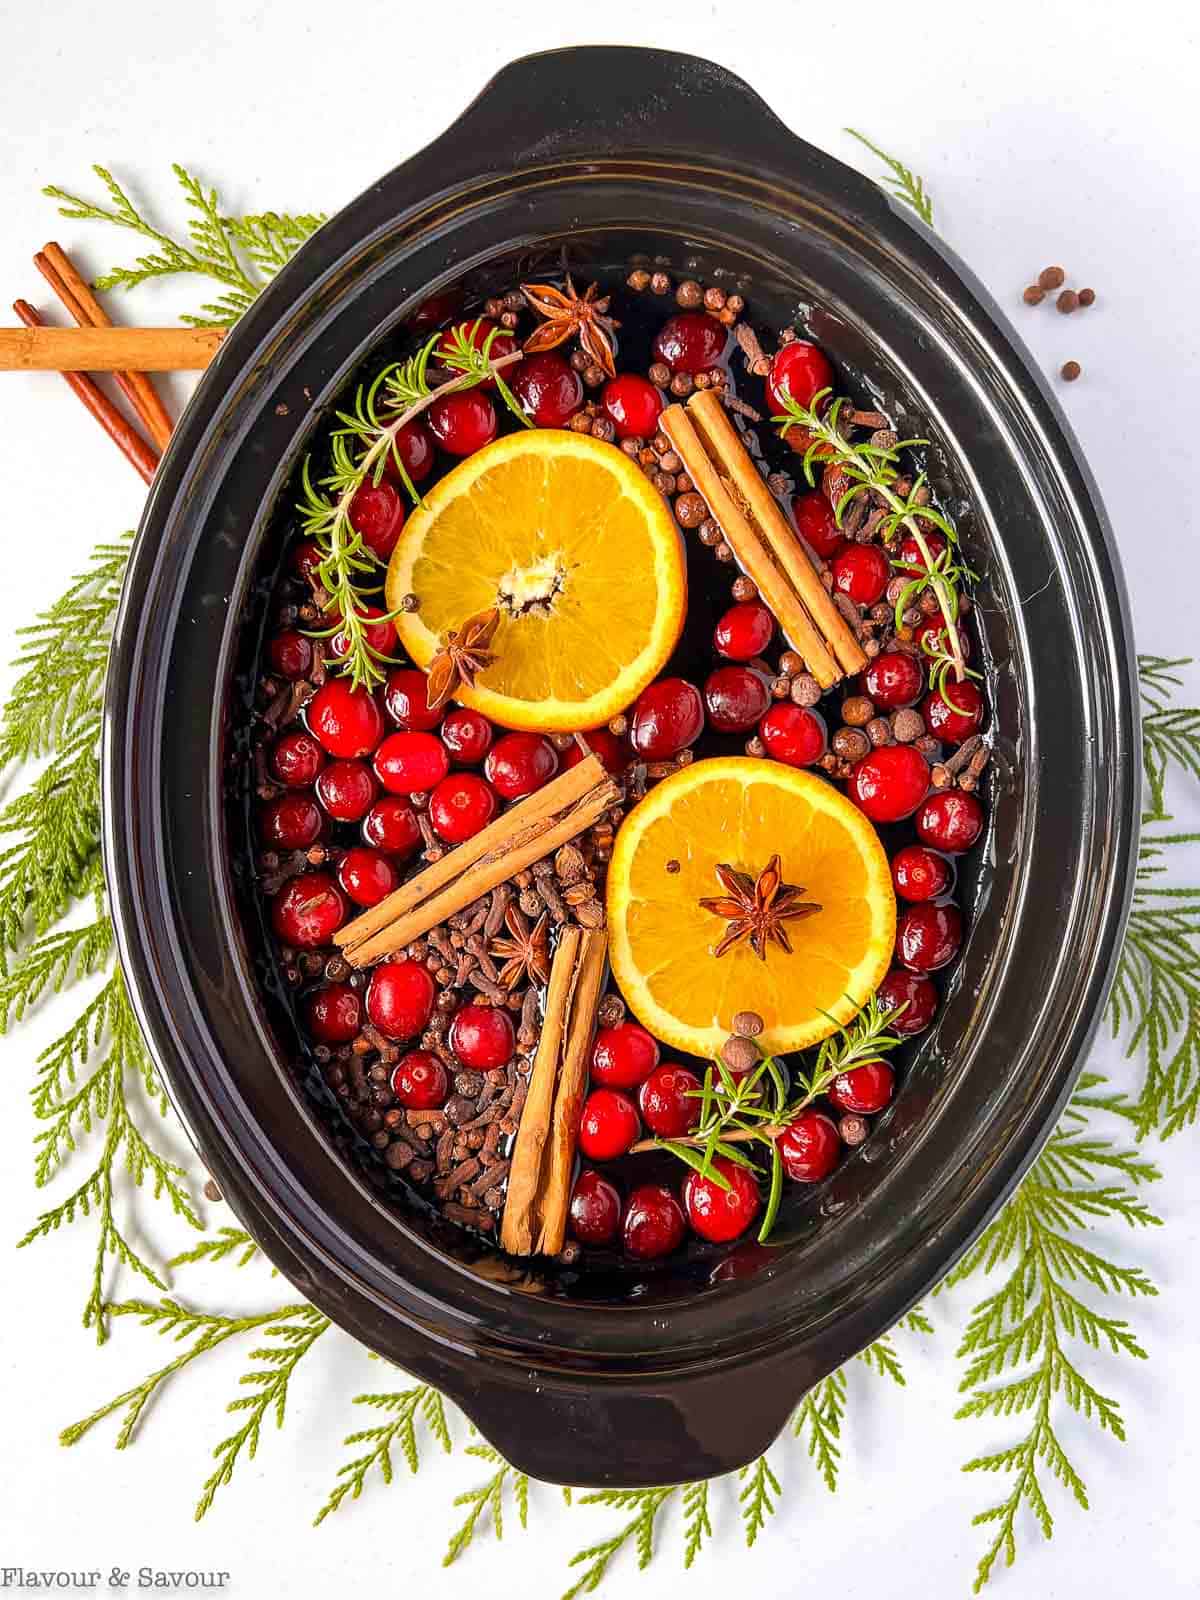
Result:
<point x="567" y="538"/>
<point x="742" y="812"/>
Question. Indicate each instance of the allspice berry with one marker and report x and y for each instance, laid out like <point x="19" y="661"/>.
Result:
<point x="1087" y="297"/>
<point x="806" y="691"/>
<point x="851" y="744"/>
<point x="857" y="710"/>
<point x="745" y="589"/>
<point x="740" y="1054"/>
<point x="1070" y="371"/>
<point x="690" y="510"/>
<point x="638" y="280"/>
<point x="660" y="283"/>
<point x="748" y="1023"/>
<point x="1051" y="278"/>
<point x="659" y="374"/>
<point x="853" y="1129"/>
<point x="1033" y="296"/>
<point x="689" y="294"/>
<point x="1067" y="302"/>
<point x="907" y="725"/>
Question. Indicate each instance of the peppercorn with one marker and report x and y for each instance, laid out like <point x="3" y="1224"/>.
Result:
<point x="602" y="428"/>
<point x="1070" y="371"/>
<point x="1051" y="278"/>
<point x="580" y="423"/>
<point x="690" y="510"/>
<point x="593" y="376"/>
<point x="638" y="280"/>
<point x="857" y="710"/>
<point x="1034" y="295"/>
<point x="660" y="283"/>
<point x="744" y="590"/>
<point x="659" y="374"/>
<point x="689" y="294"/>
<point x="1067" y="302"/>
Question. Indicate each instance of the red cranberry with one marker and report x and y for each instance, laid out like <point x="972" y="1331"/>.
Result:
<point x="910" y="550"/>
<point x="920" y="874"/>
<point x="380" y="636"/>
<point x="817" y="524"/>
<point x="633" y="405"/>
<point x="308" y="910"/>
<point x="291" y="821"/>
<point x="519" y="763"/>
<point x="653" y="1224"/>
<point x="296" y="759"/>
<point x="932" y="639"/>
<point x="346" y="790"/>
<point x="864" y="1089"/>
<point x="550" y="391"/>
<point x="928" y="936"/>
<point x="912" y="1000"/>
<point x="410" y="763"/>
<point x="595" y="1208"/>
<point x="460" y="806"/>
<point x="612" y="754"/>
<point x="406" y="700"/>
<point x="290" y="654"/>
<point x="334" y="1013"/>
<point x="391" y="825"/>
<point x="894" y="680"/>
<point x="347" y="721"/>
<point x="862" y="572"/>
<point x="476" y="332"/>
<point x="482" y="1036"/>
<point x="669" y="715"/>
<point x="793" y="734"/>
<point x="950" y="820"/>
<point x="808" y="1147"/>
<point x="953" y="712"/>
<point x="691" y="342"/>
<point x="463" y="422"/>
<point x="377" y="515"/>
<point x="623" y="1057"/>
<point x="416" y="451"/>
<point x="718" y="1214"/>
<point x="366" y="876"/>
<point x="735" y="698"/>
<point x="420" y="1081"/>
<point x="306" y="558"/>
<point x="744" y="631"/>
<point x="890" y="783"/>
<point x="670" y="1101"/>
<point x="466" y="735"/>
<point x="798" y="369"/>
<point x="400" y="998"/>
<point x="609" y="1125"/>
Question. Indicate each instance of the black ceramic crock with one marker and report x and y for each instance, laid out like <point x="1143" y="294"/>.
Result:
<point x="693" y="1372"/>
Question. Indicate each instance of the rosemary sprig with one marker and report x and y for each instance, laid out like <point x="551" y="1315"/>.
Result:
<point x="904" y="183"/>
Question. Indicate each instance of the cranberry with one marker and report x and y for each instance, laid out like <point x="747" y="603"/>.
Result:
<point x="549" y="390"/>
<point x="476" y="333"/>
<point x="377" y="515"/>
<point x="864" y="1089"/>
<point x="438" y="308"/>
<point x="928" y="936"/>
<point x="720" y="1214"/>
<point x="632" y="404"/>
<point x="744" y="631"/>
<point x="296" y="759"/>
<point x="670" y="1101"/>
<point x="463" y="421"/>
<point x="400" y="998"/>
<point x="416" y="450"/>
<point x="623" y="1057"/>
<point x="308" y="910"/>
<point x="291" y="821"/>
<point x="691" y="342"/>
<point x="808" y="1147"/>
<point x="817" y="524"/>
<point x="793" y="734"/>
<point x="950" y="820"/>
<point x="406" y="700"/>
<point x="894" y="680"/>
<point x="347" y="721"/>
<point x="410" y="763"/>
<point x="334" y="1013"/>
<point x="460" y="806"/>
<point x="954" y="712"/>
<point x="612" y="754"/>
<point x="608" y="1126"/>
<point x="910" y="550"/>
<point x="306" y="558"/>
<point x="366" y="876"/>
<point x="391" y="825"/>
<point x="420" y="1081"/>
<point x="669" y="715"/>
<point x="653" y="1224"/>
<point x="735" y="698"/>
<point x="798" y="369"/>
<point x="912" y="1000"/>
<point x="380" y="636"/>
<point x="862" y="572"/>
<point x="466" y="735"/>
<point x="890" y="783"/>
<point x="290" y="654"/>
<point x="482" y="1036"/>
<point x="519" y="763"/>
<point x="595" y="1208"/>
<point x="931" y="638"/>
<point x="346" y="790"/>
<point x="920" y="874"/>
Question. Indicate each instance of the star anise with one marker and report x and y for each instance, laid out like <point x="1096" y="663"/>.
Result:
<point x="462" y="656"/>
<point x="567" y="312"/>
<point x="757" y="908"/>
<point x="525" y="951"/>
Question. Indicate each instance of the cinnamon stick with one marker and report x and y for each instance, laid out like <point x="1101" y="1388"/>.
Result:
<point x="533" y="829"/>
<point x="40" y="349"/>
<point x="123" y="434"/>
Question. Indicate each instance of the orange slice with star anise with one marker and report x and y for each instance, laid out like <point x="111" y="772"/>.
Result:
<point x="549" y="578"/>
<point x="743" y="885"/>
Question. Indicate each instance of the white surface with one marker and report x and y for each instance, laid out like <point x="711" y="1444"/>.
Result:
<point x="1046" y="132"/>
